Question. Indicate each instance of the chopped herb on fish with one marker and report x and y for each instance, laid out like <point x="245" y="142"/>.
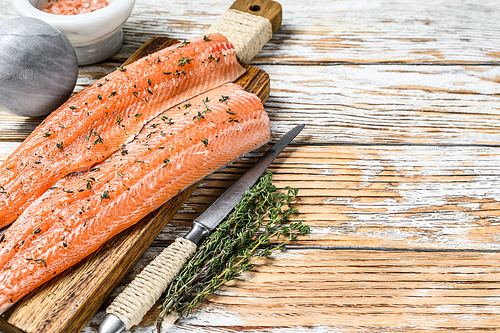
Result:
<point x="184" y="61"/>
<point x="90" y="182"/>
<point x="206" y="107"/>
<point x="198" y="116"/>
<point x="105" y="195"/>
<point x="223" y="99"/>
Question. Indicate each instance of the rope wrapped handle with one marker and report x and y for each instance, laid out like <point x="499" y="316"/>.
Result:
<point x="143" y="292"/>
<point x="249" y="25"/>
<point x="248" y="33"/>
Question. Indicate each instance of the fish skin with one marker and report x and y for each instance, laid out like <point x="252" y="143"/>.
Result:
<point x="73" y="219"/>
<point x="94" y="123"/>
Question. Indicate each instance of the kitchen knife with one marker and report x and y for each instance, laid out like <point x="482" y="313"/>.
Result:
<point x="139" y="296"/>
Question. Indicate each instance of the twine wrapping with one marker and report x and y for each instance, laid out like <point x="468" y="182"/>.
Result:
<point x="142" y="293"/>
<point x="248" y="33"/>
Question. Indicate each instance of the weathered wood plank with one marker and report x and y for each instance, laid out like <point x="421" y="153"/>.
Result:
<point x="445" y="105"/>
<point x="437" y="187"/>
<point x="378" y="196"/>
<point x="387" y="104"/>
<point x="339" y="31"/>
<point x="347" y="31"/>
<point x="345" y="291"/>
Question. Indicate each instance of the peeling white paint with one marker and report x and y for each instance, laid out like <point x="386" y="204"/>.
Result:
<point x="309" y="329"/>
<point x="211" y="316"/>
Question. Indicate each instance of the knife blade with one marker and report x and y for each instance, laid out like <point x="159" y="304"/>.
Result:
<point x="214" y="214"/>
<point x="139" y="296"/>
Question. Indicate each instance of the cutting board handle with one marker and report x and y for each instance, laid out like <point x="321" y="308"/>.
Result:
<point x="268" y="9"/>
<point x="249" y="25"/>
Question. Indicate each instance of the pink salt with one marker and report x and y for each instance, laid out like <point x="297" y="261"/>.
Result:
<point x="72" y="7"/>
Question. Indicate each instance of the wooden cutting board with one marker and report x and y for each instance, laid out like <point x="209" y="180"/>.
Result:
<point x="66" y="303"/>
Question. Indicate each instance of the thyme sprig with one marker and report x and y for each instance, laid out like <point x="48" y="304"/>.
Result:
<point x="254" y="229"/>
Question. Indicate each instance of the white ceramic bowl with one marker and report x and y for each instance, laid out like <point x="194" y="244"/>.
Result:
<point x="95" y="36"/>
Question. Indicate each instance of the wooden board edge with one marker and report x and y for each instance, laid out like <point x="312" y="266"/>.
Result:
<point x="20" y="318"/>
<point x="133" y="242"/>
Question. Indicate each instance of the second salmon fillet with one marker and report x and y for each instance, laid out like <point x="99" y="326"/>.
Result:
<point x="83" y="210"/>
<point x="98" y="120"/>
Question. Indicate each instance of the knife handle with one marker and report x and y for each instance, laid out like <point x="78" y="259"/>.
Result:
<point x="143" y="292"/>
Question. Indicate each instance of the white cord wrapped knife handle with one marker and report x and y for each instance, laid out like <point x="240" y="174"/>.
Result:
<point x="143" y="292"/>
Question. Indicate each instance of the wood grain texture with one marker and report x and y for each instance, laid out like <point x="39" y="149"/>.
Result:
<point x="378" y="196"/>
<point x="397" y="167"/>
<point x="452" y="105"/>
<point x="270" y="10"/>
<point x="319" y="291"/>
<point x="360" y="31"/>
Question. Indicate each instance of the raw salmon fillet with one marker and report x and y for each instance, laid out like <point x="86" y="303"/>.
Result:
<point x="83" y="210"/>
<point x="94" y="123"/>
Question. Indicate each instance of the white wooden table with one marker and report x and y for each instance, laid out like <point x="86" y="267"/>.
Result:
<point x="398" y="167"/>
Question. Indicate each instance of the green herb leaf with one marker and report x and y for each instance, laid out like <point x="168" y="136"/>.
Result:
<point x="255" y="228"/>
<point x="223" y="99"/>
<point x="198" y="116"/>
<point x="184" y="61"/>
<point x="105" y="195"/>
